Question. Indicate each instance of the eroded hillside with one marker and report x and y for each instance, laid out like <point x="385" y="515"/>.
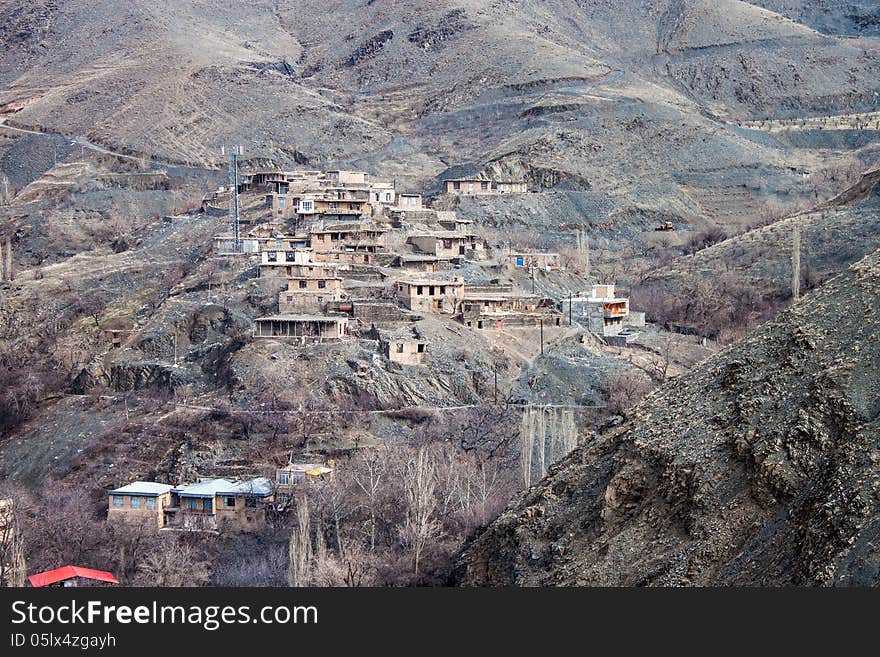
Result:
<point x="759" y="469"/>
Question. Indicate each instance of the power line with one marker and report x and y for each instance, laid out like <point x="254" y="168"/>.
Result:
<point x="243" y="411"/>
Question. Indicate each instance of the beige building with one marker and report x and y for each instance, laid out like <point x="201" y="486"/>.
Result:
<point x="534" y="260"/>
<point x="404" y="348"/>
<point x="363" y="238"/>
<point x="138" y="501"/>
<point x="309" y="294"/>
<point x="215" y="504"/>
<point x="431" y="295"/>
<point x="409" y="201"/>
<point x="448" y="244"/>
<point x="482" y="187"/>
<point x="305" y="328"/>
<point x="421" y="262"/>
<point x="281" y="262"/>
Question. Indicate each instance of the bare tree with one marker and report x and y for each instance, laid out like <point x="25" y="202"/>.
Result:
<point x="419" y="524"/>
<point x="12" y="564"/>
<point x="300" y="547"/>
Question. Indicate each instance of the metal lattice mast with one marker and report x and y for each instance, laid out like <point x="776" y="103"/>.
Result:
<point x="233" y="197"/>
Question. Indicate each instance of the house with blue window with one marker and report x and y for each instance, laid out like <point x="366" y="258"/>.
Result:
<point x="215" y="504"/>
<point x="206" y="505"/>
<point x="139" y="500"/>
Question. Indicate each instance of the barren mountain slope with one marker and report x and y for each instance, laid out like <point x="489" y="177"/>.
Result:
<point x="832" y="236"/>
<point x="760" y="468"/>
<point x="591" y="94"/>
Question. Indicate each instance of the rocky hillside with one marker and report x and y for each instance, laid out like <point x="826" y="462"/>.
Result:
<point x="760" y="469"/>
<point x="637" y="104"/>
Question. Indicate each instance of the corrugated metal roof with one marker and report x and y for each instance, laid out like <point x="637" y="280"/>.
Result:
<point x="211" y="487"/>
<point x="69" y="572"/>
<point x="142" y="488"/>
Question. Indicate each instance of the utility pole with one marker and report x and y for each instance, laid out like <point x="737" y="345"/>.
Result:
<point x="796" y="264"/>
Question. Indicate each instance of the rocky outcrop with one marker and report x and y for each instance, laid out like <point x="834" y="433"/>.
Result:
<point x="761" y="468"/>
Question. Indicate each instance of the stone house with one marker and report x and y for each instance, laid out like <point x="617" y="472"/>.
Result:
<point x="431" y="295"/>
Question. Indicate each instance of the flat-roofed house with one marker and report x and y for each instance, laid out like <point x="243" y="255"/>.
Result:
<point x="431" y="295"/>
<point x="139" y="500"/>
<point x="305" y="328"/>
<point x="484" y="308"/>
<point x="409" y="201"/>
<point x="278" y="262"/>
<point x="309" y="293"/>
<point x="404" y="348"/>
<point x="535" y="260"/>
<point x="348" y="237"/>
<point x="447" y="244"/>
<point x="602" y="310"/>
<point x="482" y="187"/>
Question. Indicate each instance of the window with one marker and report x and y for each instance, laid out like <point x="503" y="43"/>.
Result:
<point x="307" y="206"/>
<point x="281" y="202"/>
<point x="192" y="503"/>
<point x="322" y="285"/>
<point x="284" y="478"/>
<point x="442" y="289"/>
<point x="456" y="185"/>
<point x="303" y="284"/>
<point x="117" y="501"/>
<point x="278" y="245"/>
<point x="332" y="205"/>
<point x="290" y="256"/>
<point x="419" y="290"/>
<point x="272" y="256"/>
<point x="470" y="186"/>
<point x="230" y="501"/>
<point x="431" y="290"/>
<point x="289" y="298"/>
<point x="135" y="502"/>
<point x="150" y="503"/>
<point x="207" y="504"/>
<point x="250" y="502"/>
<point x="484" y="185"/>
<point x="421" y="348"/>
<point x="400" y="347"/>
<point x="387" y="196"/>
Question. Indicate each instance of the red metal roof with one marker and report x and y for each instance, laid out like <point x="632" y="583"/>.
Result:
<point x="69" y="572"/>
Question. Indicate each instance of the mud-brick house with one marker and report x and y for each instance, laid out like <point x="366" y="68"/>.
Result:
<point x="534" y="260"/>
<point x="409" y="201"/>
<point x="483" y="187"/>
<point x="304" y="328"/>
<point x="431" y="295"/>
<point x="423" y="262"/>
<point x="404" y="348"/>
<point x="310" y="293"/>
<point x="447" y="243"/>
<point x="278" y="262"/>
<point x="139" y="501"/>
<point x="212" y="504"/>
<point x="362" y="238"/>
<point x="484" y="308"/>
